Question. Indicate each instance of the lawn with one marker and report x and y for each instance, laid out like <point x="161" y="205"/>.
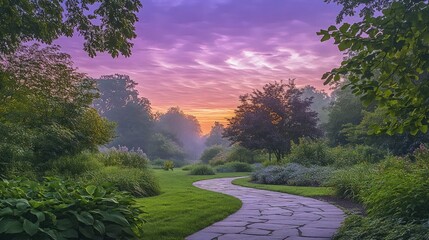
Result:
<point x="301" y="191"/>
<point x="183" y="209"/>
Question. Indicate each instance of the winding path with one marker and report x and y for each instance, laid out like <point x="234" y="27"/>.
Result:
<point x="270" y="215"/>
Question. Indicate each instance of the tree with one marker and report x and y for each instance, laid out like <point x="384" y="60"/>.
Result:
<point x="346" y="110"/>
<point x="106" y="26"/>
<point x="398" y="144"/>
<point x="119" y="102"/>
<point x="211" y="152"/>
<point x="271" y="118"/>
<point x="45" y="107"/>
<point x="215" y="136"/>
<point x="388" y="59"/>
<point x="183" y="129"/>
<point x="320" y="102"/>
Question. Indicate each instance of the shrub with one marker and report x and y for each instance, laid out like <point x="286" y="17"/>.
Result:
<point x="363" y="228"/>
<point x="399" y="190"/>
<point x="349" y="156"/>
<point x="210" y="152"/>
<point x="310" y="152"/>
<point x="235" y="167"/>
<point x="75" y="165"/>
<point x="168" y="165"/>
<point x="121" y="156"/>
<point x="55" y="209"/>
<point x="348" y="183"/>
<point x="202" y="170"/>
<point x="140" y="183"/>
<point x="292" y="174"/>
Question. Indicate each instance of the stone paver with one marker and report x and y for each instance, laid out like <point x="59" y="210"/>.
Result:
<point x="270" y="215"/>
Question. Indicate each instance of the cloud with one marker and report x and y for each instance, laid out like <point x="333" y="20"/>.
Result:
<point x="201" y="55"/>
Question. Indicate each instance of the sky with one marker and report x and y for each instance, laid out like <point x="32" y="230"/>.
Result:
<point x="201" y="55"/>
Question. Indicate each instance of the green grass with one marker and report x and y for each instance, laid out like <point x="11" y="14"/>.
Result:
<point x="297" y="190"/>
<point x="183" y="209"/>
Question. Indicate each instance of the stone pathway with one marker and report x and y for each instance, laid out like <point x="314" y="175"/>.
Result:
<point x="270" y="215"/>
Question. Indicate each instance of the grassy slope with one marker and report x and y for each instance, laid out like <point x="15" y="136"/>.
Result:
<point x="183" y="209"/>
<point x="301" y="191"/>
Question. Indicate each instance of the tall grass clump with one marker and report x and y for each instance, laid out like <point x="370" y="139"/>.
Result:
<point x="140" y="183"/>
<point x="76" y="165"/>
<point x="122" y="156"/>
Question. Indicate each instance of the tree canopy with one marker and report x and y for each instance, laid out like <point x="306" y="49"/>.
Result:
<point x="388" y="59"/>
<point x="215" y="136"/>
<point x="271" y="118"/>
<point x="106" y="26"/>
<point x="119" y="102"/>
<point x="45" y="107"/>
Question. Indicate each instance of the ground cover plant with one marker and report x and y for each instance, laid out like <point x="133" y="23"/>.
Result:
<point x="182" y="209"/>
<point x="56" y="209"/>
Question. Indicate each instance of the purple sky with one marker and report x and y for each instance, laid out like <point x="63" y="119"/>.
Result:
<point x="201" y="55"/>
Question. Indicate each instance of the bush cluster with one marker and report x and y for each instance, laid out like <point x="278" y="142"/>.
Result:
<point x="293" y="174"/>
<point x="121" y="156"/>
<point x="55" y="209"/>
<point x="317" y="152"/>
<point x="360" y="228"/>
<point x="138" y="182"/>
<point x="202" y="170"/>
<point x="234" y="167"/>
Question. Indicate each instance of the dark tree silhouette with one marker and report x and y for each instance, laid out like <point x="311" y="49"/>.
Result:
<point x="271" y="118"/>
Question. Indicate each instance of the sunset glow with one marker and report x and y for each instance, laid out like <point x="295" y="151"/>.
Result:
<point x="201" y="55"/>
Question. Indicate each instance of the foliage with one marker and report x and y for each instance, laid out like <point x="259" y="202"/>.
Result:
<point x="45" y="108"/>
<point x="215" y="136"/>
<point x="168" y="165"/>
<point x="346" y="110"/>
<point x="398" y="144"/>
<point x="292" y="174"/>
<point x="320" y="102"/>
<point x="269" y="119"/>
<point x="317" y="152"/>
<point x="122" y="156"/>
<point x="365" y="228"/>
<point x="349" y="183"/>
<point x="55" y="209"/>
<point x="234" y="167"/>
<point x="74" y="166"/>
<point x="388" y="61"/>
<point x="46" y="21"/>
<point x="399" y="190"/>
<point x="138" y="182"/>
<point x="183" y="129"/>
<point x="210" y="153"/>
<point x="118" y="98"/>
<point x="164" y="147"/>
<point x="202" y="170"/>
<point x="310" y="152"/>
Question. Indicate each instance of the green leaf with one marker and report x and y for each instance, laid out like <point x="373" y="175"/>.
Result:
<point x="344" y="27"/>
<point x="6" y="211"/>
<point x="30" y="228"/>
<point x="40" y="215"/>
<point x="332" y="28"/>
<point x="64" y="224"/>
<point x="87" y="232"/>
<point x="90" y="189"/>
<point x="9" y="225"/>
<point x="84" y="217"/>
<point x="116" y="218"/>
<point x="69" y="233"/>
<point x="99" y="226"/>
<point x="424" y="128"/>
<point x="325" y="37"/>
